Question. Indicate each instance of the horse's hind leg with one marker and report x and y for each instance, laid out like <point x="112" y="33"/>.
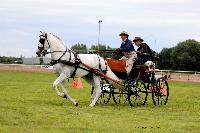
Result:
<point x="61" y="79"/>
<point x="91" y="81"/>
<point x="97" y="90"/>
<point x="66" y="95"/>
<point x="93" y="94"/>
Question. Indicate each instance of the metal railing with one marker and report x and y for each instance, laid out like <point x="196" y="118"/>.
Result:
<point x="180" y="75"/>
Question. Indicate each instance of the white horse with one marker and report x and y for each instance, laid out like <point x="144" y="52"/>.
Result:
<point x="61" y="54"/>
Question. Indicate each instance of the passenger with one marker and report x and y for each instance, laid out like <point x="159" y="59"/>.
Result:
<point x="142" y="48"/>
<point x="128" y="51"/>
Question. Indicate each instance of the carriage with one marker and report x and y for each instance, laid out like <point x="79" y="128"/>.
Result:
<point x="133" y="88"/>
<point x="140" y="83"/>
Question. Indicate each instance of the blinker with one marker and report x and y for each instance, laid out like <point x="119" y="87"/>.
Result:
<point x="42" y="40"/>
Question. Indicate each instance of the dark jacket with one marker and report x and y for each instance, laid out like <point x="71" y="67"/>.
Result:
<point x="127" y="46"/>
<point x="144" y="48"/>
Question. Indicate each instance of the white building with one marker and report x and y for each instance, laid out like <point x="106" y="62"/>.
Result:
<point x="35" y="60"/>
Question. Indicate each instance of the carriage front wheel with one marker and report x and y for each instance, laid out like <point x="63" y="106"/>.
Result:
<point x="106" y="89"/>
<point x="161" y="92"/>
<point x="137" y="93"/>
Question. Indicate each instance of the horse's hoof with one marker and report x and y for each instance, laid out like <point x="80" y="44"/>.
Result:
<point x="91" y="105"/>
<point x="65" y="96"/>
<point x="76" y="104"/>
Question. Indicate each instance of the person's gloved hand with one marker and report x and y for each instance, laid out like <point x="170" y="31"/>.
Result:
<point x="117" y="51"/>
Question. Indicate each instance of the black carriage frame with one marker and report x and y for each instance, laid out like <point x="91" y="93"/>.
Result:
<point x="138" y="85"/>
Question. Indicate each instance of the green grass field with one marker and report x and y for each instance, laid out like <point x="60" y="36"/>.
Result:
<point x="28" y="104"/>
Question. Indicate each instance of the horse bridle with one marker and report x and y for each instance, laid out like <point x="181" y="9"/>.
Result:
<point x="43" y="52"/>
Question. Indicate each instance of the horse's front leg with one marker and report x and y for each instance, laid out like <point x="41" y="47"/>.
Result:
<point x="61" y="94"/>
<point x="58" y="72"/>
<point x="66" y="95"/>
<point x="61" y="79"/>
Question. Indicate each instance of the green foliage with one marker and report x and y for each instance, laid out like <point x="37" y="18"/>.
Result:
<point x="10" y="60"/>
<point x="41" y="61"/>
<point x="80" y="48"/>
<point x="185" y="56"/>
<point x="102" y="47"/>
<point x="165" y="60"/>
<point x="28" y="103"/>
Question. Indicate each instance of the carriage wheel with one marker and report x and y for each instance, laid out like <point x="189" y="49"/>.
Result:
<point x="161" y="93"/>
<point x="137" y="93"/>
<point x="106" y="92"/>
<point x="119" y="96"/>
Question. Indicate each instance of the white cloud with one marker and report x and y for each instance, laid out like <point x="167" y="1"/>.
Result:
<point x="15" y="43"/>
<point x="197" y="38"/>
<point x="77" y="21"/>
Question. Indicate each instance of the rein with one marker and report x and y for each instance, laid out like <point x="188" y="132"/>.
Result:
<point x="76" y="63"/>
<point x="55" y="52"/>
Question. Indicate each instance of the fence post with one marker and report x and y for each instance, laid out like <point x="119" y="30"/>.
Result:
<point x="179" y="75"/>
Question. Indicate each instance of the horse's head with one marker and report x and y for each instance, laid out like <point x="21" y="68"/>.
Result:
<point x="43" y="45"/>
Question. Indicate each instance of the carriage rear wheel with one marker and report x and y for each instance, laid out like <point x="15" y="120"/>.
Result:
<point x="161" y="93"/>
<point x="137" y="93"/>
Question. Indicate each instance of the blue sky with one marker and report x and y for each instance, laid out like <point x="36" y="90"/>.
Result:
<point x="160" y="23"/>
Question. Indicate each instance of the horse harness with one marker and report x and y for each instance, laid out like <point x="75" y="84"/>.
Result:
<point x="76" y="64"/>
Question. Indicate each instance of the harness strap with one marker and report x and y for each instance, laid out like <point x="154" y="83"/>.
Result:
<point x="63" y="54"/>
<point x="106" y="64"/>
<point x="99" y="63"/>
<point x="70" y="56"/>
<point x="76" y="65"/>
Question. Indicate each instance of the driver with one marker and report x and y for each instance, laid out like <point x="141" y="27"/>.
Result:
<point x="128" y="51"/>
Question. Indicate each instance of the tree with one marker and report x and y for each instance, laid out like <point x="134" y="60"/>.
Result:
<point x="7" y="60"/>
<point x="79" y="48"/>
<point x="41" y="61"/>
<point x="165" y="59"/>
<point x="102" y="47"/>
<point x="184" y="56"/>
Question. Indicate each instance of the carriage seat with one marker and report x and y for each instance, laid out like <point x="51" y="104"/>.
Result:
<point x="117" y="67"/>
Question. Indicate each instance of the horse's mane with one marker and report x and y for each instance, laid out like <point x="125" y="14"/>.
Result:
<point x="57" y="38"/>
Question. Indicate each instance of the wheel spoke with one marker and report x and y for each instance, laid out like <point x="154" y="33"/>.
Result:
<point x="106" y="92"/>
<point x="137" y="93"/>
<point x="160" y="96"/>
<point x="119" y="96"/>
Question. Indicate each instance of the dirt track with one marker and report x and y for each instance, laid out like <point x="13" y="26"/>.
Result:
<point x="24" y="68"/>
